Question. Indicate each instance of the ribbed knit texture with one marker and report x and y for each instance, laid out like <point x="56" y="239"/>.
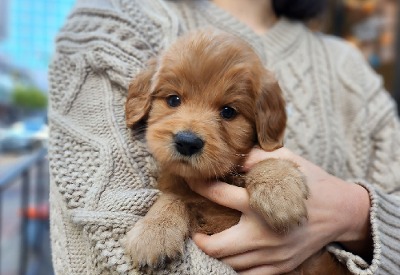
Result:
<point x="103" y="178"/>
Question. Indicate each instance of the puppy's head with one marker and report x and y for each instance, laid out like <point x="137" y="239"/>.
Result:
<point x="207" y="101"/>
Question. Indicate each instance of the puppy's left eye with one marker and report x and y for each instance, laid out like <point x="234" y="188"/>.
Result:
<point x="173" y="100"/>
<point x="228" y="112"/>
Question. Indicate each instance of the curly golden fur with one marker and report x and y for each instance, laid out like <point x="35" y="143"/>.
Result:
<point x="207" y="101"/>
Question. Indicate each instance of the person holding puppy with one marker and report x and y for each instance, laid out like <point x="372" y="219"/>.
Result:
<point x="342" y="131"/>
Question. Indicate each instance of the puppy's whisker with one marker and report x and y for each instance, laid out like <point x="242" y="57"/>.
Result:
<point x="234" y="172"/>
<point x="241" y="155"/>
<point x="216" y="173"/>
<point x="214" y="168"/>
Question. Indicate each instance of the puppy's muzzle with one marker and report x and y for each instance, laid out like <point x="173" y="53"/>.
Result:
<point x="188" y="143"/>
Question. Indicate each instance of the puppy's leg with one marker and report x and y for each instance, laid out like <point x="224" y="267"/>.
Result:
<point x="277" y="191"/>
<point x="161" y="234"/>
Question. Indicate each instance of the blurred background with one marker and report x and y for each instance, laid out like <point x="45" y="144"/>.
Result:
<point x="27" y="32"/>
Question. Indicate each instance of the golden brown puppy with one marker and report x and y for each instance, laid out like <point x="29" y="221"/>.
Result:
<point x="207" y="101"/>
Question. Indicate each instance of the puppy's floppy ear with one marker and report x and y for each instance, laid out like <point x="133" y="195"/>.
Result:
<point x="138" y="102"/>
<point x="270" y="114"/>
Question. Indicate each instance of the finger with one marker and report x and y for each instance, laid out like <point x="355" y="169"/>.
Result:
<point x="223" y="244"/>
<point x="224" y="194"/>
<point x="274" y="267"/>
<point x="248" y="259"/>
<point x="256" y="155"/>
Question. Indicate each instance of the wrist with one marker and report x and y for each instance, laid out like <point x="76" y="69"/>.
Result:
<point x="356" y="233"/>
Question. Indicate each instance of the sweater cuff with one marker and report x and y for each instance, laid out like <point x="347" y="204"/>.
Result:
<point x="385" y="228"/>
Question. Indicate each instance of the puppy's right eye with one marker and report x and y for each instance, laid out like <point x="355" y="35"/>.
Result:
<point x="173" y="100"/>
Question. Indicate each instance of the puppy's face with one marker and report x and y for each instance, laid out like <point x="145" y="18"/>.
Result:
<point x="207" y="100"/>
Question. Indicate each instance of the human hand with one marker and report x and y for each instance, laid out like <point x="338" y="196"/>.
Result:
<point x="338" y="212"/>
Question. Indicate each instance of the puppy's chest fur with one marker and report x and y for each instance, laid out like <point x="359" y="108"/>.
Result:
<point x="205" y="216"/>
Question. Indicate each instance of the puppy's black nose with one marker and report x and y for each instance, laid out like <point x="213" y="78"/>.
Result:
<point x="188" y="143"/>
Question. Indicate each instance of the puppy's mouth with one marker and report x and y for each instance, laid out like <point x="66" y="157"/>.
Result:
<point x="187" y="167"/>
<point x="184" y="161"/>
<point x="188" y="155"/>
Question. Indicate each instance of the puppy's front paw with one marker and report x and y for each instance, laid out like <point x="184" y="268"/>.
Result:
<point x="277" y="191"/>
<point x="152" y="243"/>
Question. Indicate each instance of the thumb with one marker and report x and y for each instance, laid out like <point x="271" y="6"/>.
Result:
<point x="256" y="155"/>
<point x="227" y="195"/>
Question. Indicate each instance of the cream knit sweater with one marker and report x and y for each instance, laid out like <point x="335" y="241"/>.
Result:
<point x="340" y="118"/>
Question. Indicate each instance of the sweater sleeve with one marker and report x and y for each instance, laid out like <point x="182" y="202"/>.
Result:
<point x="381" y="134"/>
<point x="101" y="172"/>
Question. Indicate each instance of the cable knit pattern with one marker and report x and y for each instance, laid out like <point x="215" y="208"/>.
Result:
<point x="103" y="178"/>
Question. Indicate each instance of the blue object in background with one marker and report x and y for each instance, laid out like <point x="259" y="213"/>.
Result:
<point x="33" y="124"/>
<point x="30" y="32"/>
<point x="24" y="135"/>
<point x="374" y="60"/>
